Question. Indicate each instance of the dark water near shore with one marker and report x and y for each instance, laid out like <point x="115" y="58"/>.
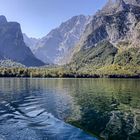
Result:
<point x="36" y="109"/>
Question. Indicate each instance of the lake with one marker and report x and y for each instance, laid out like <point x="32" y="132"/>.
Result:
<point x="69" y="109"/>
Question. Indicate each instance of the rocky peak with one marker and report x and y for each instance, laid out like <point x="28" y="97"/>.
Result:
<point x="121" y="5"/>
<point x="133" y="2"/>
<point x="113" y="6"/>
<point x="3" y="19"/>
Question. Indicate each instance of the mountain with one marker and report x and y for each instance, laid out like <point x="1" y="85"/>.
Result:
<point x="55" y="46"/>
<point x="133" y="2"/>
<point x="112" y="36"/>
<point x="12" y="45"/>
<point x="101" y="54"/>
<point x="30" y="42"/>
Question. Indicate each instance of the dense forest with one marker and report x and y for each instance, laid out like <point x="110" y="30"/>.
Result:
<point x="110" y="71"/>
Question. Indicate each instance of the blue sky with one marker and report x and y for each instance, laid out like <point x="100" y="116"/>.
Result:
<point x="38" y="17"/>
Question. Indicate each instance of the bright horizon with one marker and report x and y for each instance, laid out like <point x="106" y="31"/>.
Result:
<point x="38" y="18"/>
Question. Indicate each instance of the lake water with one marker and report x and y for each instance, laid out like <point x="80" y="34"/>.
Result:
<point x="69" y="109"/>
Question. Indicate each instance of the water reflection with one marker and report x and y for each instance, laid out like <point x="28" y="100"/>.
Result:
<point x="108" y="108"/>
<point x="25" y="112"/>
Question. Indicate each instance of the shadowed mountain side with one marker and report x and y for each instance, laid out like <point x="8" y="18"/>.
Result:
<point x="12" y="45"/>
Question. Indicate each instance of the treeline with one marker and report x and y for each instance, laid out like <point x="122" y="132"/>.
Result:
<point x="112" y="71"/>
<point x="42" y="73"/>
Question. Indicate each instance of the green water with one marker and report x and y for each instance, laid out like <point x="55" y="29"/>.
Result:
<point x="108" y="107"/>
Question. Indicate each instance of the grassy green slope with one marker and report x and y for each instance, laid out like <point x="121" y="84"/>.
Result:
<point x="107" y="60"/>
<point x="102" y="54"/>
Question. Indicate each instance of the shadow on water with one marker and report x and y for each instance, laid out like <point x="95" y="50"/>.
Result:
<point x="108" y="108"/>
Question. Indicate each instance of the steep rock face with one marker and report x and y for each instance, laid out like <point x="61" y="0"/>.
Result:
<point x="58" y="43"/>
<point x="114" y="25"/>
<point x="12" y="45"/>
<point x="118" y="22"/>
<point x="133" y="2"/>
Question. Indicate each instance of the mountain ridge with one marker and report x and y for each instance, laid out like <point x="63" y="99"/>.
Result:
<point x="58" y="42"/>
<point x="117" y="22"/>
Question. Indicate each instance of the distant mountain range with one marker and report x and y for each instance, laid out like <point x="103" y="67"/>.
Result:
<point x="111" y="36"/>
<point x="56" y="45"/>
<point x="30" y="41"/>
<point x="12" y="45"/>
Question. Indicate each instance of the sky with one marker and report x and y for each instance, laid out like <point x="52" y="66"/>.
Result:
<point x="38" y="17"/>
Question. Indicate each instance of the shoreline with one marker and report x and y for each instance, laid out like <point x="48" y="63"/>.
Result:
<point x="112" y="71"/>
<point x="77" y="77"/>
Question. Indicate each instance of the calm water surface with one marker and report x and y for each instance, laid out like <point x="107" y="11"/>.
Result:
<point x="55" y="109"/>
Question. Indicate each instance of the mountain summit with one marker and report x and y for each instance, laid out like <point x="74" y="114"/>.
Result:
<point x="117" y="21"/>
